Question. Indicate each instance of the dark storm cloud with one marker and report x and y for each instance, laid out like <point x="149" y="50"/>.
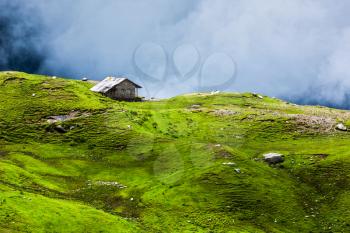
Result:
<point x="20" y="44"/>
<point x="299" y="50"/>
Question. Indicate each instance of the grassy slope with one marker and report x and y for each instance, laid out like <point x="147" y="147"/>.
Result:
<point x="167" y="155"/>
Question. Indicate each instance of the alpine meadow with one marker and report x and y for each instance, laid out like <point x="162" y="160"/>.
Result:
<point x="72" y="160"/>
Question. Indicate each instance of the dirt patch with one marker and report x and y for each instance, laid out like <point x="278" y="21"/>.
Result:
<point x="224" y="112"/>
<point x="220" y="152"/>
<point x="195" y="108"/>
<point x="10" y="80"/>
<point x="223" y="154"/>
<point x="321" y="156"/>
<point x="3" y="153"/>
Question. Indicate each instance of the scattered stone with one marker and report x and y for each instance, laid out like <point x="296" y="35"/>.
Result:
<point x="341" y="127"/>
<point x="107" y="183"/>
<point x="33" y="94"/>
<point x="54" y="77"/>
<point x="237" y="170"/>
<point x="129" y="126"/>
<point x="229" y="163"/>
<point x="217" y="145"/>
<point x="131" y="199"/>
<point x="72" y="115"/>
<point x="260" y="97"/>
<point x="84" y="79"/>
<point x="273" y="158"/>
<point x="312" y="123"/>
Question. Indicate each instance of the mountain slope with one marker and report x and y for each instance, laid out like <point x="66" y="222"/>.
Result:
<point x="74" y="161"/>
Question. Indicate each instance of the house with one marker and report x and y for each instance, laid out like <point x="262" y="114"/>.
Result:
<point x="117" y="88"/>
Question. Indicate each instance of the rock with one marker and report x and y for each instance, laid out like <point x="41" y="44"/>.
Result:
<point x="273" y="158"/>
<point x="33" y="94"/>
<point x="84" y="79"/>
<point x="237" y="170"/>
<point x="195" y="106"/>
<point x="229" y="163"/>
<point x="60" y="129"/>
<point x="257" y="95"/>
<point x="341" y="127"/>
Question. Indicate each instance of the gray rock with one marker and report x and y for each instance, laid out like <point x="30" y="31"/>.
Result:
<point x="196" y="106"/>
<point x="60" y="129"/>
<point x="229" y="163"/>
<point x="273" y="158"/>
<point x="341" y="127"/>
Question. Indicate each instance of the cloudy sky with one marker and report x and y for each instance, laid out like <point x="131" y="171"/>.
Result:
<point x="297" y="50"/>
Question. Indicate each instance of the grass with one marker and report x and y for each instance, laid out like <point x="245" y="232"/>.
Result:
<point x="159" y="166"/>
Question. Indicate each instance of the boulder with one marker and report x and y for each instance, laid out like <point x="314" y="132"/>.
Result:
<point x="273" y="158"/>
<point x="341" y="127"/>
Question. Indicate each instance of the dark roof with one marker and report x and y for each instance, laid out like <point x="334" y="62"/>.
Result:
<point x="110" y="82"/>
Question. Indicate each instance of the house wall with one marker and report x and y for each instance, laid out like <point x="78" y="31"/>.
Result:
<point x="124" y="90"/>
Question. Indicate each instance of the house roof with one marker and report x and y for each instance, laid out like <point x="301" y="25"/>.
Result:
<point x="110" y="82"/>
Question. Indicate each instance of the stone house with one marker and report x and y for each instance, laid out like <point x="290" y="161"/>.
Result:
<point x="117" y="88"/>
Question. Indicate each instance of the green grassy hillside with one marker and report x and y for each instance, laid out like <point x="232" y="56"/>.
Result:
<point x="74" y="161"/>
